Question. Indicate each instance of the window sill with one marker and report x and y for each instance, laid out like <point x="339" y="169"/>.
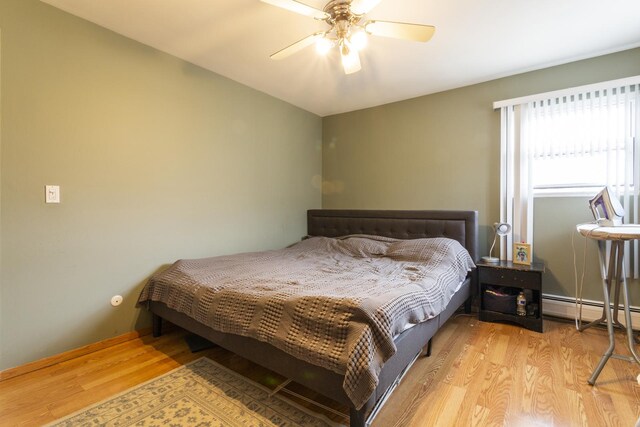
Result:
<point x="566" y="192"/>
<point x="570" y="192"/>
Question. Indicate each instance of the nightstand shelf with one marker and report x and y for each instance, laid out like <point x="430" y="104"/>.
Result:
<point x="512" y="278"/>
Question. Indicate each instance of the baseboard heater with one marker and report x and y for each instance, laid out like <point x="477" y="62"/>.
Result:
<point x="565" y="307"/>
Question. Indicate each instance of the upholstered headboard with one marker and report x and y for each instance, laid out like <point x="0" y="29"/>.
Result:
<point x="458" y="225"/>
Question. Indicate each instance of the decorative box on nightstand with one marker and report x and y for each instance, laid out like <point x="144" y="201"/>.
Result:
<point x="505" y="281"/>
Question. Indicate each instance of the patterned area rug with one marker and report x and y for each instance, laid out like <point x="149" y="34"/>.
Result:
<point x="201" y="393"/>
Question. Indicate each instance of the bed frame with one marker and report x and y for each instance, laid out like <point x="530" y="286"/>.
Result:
<point x="458" y="225"/>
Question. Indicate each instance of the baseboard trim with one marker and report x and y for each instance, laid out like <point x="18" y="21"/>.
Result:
<point x="71" y="354"/>
<point x="565" y="307"/>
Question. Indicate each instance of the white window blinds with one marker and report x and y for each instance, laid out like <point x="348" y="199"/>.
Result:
<point x="586" y="139"/>
<point x="581" y="137"/>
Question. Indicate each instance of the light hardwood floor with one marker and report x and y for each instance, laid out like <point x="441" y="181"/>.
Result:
<point x="478" y="374"/>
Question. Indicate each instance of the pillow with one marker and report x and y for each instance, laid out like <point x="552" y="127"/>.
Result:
<point x="426" y="250"/>
<point x="364" y="246"/>
<point x="357" y="245"/>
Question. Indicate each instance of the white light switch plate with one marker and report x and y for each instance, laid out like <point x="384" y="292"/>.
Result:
<point x="52" y="194"/>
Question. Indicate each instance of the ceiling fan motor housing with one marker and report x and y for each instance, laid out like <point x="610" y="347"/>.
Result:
<point x="340" y="10"/>
<point x="340" y="17"/>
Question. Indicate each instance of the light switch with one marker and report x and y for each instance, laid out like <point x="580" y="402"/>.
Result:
<point x="52" y="194"/>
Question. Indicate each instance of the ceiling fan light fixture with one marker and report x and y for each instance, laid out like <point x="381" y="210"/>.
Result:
<point x="348" y="29"/>
<point x="350" y="59"/>
<point x="359" y="39"/>
<point x="323" y="46"/>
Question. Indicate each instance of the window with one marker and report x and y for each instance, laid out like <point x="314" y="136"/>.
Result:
<point x="583" y="142"/>
<point x="566" y="142"/>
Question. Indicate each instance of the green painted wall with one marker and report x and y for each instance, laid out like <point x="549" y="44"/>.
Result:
<point x="556" y="242"/>
<point x="442" y="151"/>
<point x="157" y="159"/>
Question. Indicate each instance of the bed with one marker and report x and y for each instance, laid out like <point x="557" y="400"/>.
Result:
<point x="458" y="227"/>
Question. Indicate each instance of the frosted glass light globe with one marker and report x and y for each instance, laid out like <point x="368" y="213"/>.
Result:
<point x="323" y="46"/>
<point x="359" y="40"/>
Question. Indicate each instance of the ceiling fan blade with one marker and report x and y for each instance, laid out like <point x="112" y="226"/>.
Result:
<point x="297" y="7"/>
<point x="400" y="30"/>
<point x="360" y="7"/>
<point x="297" y="46"/>
<point x="350" y="60"/>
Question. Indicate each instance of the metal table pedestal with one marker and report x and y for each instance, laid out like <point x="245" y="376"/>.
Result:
<point x="615" y="275"/>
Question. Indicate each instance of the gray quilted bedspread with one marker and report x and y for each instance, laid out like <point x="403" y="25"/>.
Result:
<point x="335" y="303"/>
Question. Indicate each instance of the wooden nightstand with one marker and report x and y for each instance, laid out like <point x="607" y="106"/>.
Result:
<point x="513" y="278"/>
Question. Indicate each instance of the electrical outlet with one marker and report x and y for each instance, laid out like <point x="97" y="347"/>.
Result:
<point x="52" y="194"/>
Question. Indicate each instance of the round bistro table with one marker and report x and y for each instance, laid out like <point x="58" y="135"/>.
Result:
<point x="614" y="274"/>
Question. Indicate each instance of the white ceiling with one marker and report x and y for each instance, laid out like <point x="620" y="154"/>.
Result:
<point x="475" y="41"/>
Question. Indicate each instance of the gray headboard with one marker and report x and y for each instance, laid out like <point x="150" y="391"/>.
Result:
<point x="458" y="225"/>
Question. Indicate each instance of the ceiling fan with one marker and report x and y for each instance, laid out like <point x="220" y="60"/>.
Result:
<point x="348" y="29"/>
